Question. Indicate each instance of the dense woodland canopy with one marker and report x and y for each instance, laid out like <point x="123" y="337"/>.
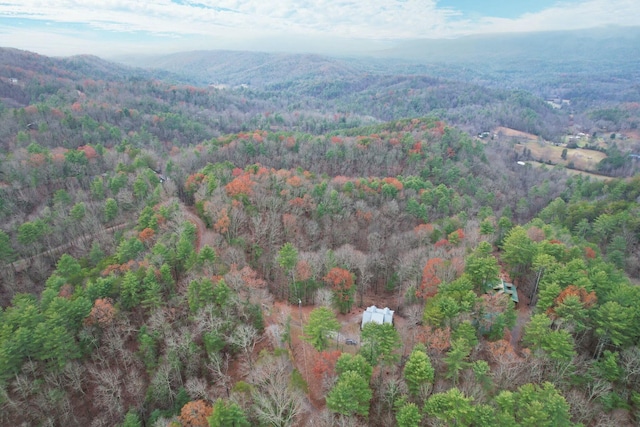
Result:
<point x="187" y="255"/>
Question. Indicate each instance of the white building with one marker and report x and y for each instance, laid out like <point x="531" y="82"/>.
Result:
<point x="377" y="315"/>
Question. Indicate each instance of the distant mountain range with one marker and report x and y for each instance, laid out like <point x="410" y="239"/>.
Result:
<point x="619" y="44"/>
<point x="548" y="64"/>
<point x="474" y="82"/>
<point x="252" y="68"/>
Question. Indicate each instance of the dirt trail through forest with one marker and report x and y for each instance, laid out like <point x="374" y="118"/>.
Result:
<point x="204" y="235"/>
<point x="524" y="315"/>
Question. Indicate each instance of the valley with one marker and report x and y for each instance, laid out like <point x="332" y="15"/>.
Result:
<point x="192" y="239"/>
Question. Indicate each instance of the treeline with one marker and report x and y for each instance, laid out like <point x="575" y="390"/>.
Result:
<point x="78" y="97"/>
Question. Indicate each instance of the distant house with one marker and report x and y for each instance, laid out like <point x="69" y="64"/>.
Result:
<point x="554" y="104"/>
<point x="503" y="287"/>
<point x="377" y="315"/>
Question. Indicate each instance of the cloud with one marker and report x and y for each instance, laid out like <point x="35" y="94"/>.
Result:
<point x="566" y="16"/>
<point x="214" y="21"/>
<point x="362" y="19"/>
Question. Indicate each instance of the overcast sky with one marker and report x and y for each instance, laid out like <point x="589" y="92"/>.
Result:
<point x="109" y="27"/>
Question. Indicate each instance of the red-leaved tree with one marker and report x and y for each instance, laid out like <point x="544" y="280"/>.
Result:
<point x="430" y="280"/>
<point x="341" y="282"/>
<point x="325" y="363"/>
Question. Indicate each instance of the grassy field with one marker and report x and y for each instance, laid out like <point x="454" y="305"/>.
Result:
<point x="575" y="172"/>
<point x="504" y="132"/>
<point x="586" y="160"/>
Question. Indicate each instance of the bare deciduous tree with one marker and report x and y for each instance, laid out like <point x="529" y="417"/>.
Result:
<point x="324" y="297"/>
<point x="275" y="402"/>
<point x="108" y="394"/>
<point x="197" y="388"/>
<point x="218" y="368"/>
<point x="245" y="337"/>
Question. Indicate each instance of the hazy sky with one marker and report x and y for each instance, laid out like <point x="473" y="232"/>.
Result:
<point x="107" y="27"/>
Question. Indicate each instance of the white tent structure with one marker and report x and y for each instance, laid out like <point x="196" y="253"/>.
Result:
<point x="377" y="315"/>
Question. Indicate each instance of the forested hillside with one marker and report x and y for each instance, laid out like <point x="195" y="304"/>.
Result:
<point x="191" y="255"/>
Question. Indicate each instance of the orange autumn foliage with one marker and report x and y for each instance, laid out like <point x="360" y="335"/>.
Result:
<point x="588" y="299"/>
<point x="417" y="148"/>
<point x="110" y="269"/>
<point x="364" y="215"/>
<point x="251" y="279"/>
<point x="223" y="222"/>
<point x="440" y="243"/>
<point x="290" y="142"/>
<point x="66" y="291"/>
<point x="305" y="202"/>
<point x="193" y="181"/>
<point x="394" y="182"/>
<point x="246" y="277"/>
<point x="282" y="173"/>
<point x="438" y="129"/>
<point x="102" y="313"/>
<point x="89" y="151"/>
<point x="341" y="282"/>
<point x="128" y="266"/>
<point x="430" y="280"/>
<point x="240" y="185"/>
<point x="195" y="414"/>
<point x="58" y="157"/>
<point x="294" y="181"/>
<point x="31" y="109"/>
<point x="502" y="351"/>
<point x="589" y="253"/>
<point x="451" y="153"/>
<point x="325" y="363"/>
<point x="455" y="237"/>
<point x="423" y="230"/>
<point x="340" y="180"/>
<point x="436" y="339"/>
<point x="146" y="234"/>
<point x="339" y="277"/>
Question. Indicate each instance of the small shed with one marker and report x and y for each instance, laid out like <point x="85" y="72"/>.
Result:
<point x="503" y="287"/>
<point x="377" y="315"/>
